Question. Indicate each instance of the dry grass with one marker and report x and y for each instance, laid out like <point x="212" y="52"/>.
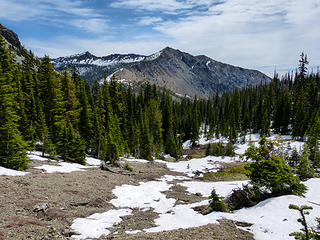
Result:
<point x="2" y="236"/>
<point x="16" y="221"/>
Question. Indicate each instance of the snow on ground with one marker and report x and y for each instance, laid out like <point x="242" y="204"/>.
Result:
<point x="144" y="196"/>
<point x="133" y="232"/>
<point x="62" y="167"/>
<point x="271" y="219"/>
<point x="93" y="161"/>
<point x="96" y="225"/>
<point x="170" y="178"/>
<point x="209" y="163"/>
<point x="10" y="172"/>
<point x="205" y="188"/>
<point x="37" y="155"/>
<point x="135" y="160"/>
<point x="204" y="140"/>
<point x="181" y="216"/>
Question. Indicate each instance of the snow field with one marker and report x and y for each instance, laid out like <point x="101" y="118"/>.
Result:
<point x="145" y="196"/>
<point x="223" y="189"/>
<point x="271" y="219"/>
<point x="10" y="172"/>
<point x="96" y="225"/>
<point x="63" y="167"/>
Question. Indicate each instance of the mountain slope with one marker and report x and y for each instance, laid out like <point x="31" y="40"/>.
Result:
<point x="23" y="56"/>
<point x="94" y="68"/>
<point x="172" y="69"/>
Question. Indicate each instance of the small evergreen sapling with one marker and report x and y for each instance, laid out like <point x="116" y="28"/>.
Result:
<point x="270" y="174"/>
<point x="216" y="203"/>
<point x="306" y="232"/>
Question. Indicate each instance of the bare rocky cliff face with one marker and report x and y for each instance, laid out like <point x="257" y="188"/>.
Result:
<point x="10" y="36"/>
<point x="179" y="72"/>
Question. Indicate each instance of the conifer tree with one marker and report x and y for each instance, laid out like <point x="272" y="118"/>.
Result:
<point x="155" y="124"/>
<point x="51" y="95"/>
<point x="146" y="144"/>
<point x="85" y="117"/>
<point x="12" y="146"/>
<point x="168" y="132"/>
<point x="71" y="146"/>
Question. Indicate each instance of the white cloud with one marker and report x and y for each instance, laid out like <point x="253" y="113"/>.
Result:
<point x="149" y="20"/>
<point x="68" y="45"/>
<point x="251" y="33"/>
<point x="11" y="10"/>
<point x="94" y="25"/>
<point x="168" y="6"/>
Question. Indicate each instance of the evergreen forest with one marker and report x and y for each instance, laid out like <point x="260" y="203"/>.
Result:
<point x="65" y="117"/>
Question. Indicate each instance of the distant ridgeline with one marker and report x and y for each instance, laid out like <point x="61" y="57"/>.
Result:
<point x="70" y="118"/>
<point x="171" y="69"/>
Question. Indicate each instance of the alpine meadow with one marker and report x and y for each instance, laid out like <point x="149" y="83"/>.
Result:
<point x="162" y="143"/>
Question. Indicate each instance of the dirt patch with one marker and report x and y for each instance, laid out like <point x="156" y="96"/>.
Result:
<point x="16" y="221"/>
<point x="80" y="194"/>
<point x="1" y="235"/>
<point x="53" y="213"/>
<point x="137" y="221"/>
<point x="63" y="192"/>
<point x="226" y="230"/>
<point x="179" y="193"/>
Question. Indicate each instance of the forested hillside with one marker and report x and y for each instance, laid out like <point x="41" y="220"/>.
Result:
<point x="65" y="116"/>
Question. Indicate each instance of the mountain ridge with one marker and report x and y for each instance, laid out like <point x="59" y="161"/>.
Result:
<point x="177" y="71"/>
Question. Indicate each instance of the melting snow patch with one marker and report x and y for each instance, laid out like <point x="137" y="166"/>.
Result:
<point x="63" y="167"/>
<point x="189" y="167"/>
<point x="272" y="219"/>
<point x="34" y="155"/>
<point x="170" y="178"/>
<point x="205" y="188"/>
<point x="10" y="172"/>
<point x="97" y="224"/>
<point x="144" y="196"/>
<point x="93" y="161"/>
<point x="136" y="160"/>
<point x="133" y="232"/>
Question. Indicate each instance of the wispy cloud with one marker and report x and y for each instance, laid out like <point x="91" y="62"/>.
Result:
<point x="68" y="45"/>
<point x="52" y="12"/>
<point x="251" y="32"/>
<point x="94" y="25"/>
<point x="145" y="21"/>
<point x="167" y="6"/>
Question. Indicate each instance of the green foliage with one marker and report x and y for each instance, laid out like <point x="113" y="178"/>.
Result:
<point x="128" y="167"/>
<point x="215" y="202"/>
<point x="112" y="120"/>
<point x="220" y="149"/>
<point x="71" y="147"/>
<point x="304" y="168"/>
<point x="12" y="146"/>
<point x="306" y="232"/>
<point x="269" y="172"/>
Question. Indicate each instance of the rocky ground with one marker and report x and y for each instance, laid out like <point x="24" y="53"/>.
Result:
<point x="43" y="205"/>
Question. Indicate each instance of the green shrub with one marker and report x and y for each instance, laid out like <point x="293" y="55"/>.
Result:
<point x="215" y="202"/>
<point x="128" y="167"/>
<point x="271" y="173"/>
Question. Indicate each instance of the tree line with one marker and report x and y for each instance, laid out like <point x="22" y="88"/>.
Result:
<point x="66" y="117"/>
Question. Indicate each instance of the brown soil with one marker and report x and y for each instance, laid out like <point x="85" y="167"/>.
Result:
<point x="226" y="230"/>
<point x="80" y="194"/>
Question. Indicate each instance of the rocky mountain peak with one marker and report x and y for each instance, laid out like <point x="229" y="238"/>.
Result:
<point x="10" y="36"/>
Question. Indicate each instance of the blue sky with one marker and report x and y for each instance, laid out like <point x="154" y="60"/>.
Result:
<point x="249" y="33"/>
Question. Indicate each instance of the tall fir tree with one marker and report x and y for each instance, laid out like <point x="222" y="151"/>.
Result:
<point x="12" y="146"/>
